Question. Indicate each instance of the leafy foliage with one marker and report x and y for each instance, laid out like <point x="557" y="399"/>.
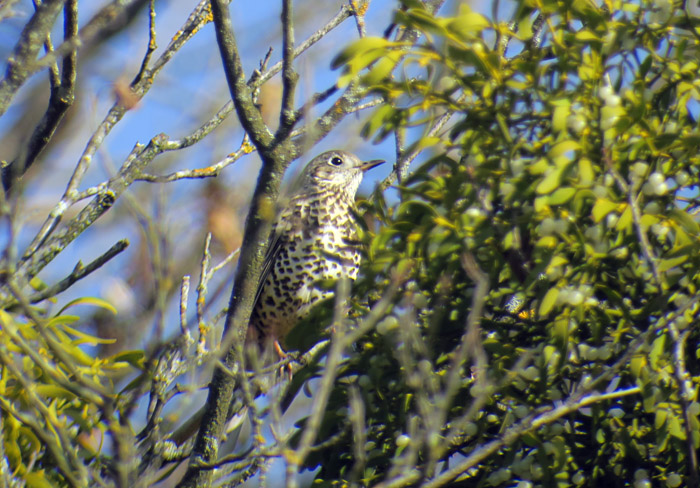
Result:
<point x="53" y="394"/>
<point x="526" y="311"/>
<point x="561" y="208"/>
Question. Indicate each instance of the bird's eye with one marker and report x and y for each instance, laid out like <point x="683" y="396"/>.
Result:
<point x="336" y="161"/>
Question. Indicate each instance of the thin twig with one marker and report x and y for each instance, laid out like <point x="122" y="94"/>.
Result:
<point x="289" y="76"/>
<point x="528" y="424"/>
<point x="79" y="272"/>
<point x="199" y="17"/>
<point x="341" y="339"/>
<point x="208" y="172"/>
<point x="401" y="166"/>
<point x="152" y="45"/>
<point x="100" y="25"/>
<point x="687" y="396"/>
<point x="184" y="295"/>
<point x="359" y="8"/>
<point x="629" y="190"/>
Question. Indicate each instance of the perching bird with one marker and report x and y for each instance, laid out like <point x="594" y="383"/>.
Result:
<point x="314" y="238"/>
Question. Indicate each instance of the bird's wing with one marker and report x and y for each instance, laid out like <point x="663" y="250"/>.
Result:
<point x="273" y="250"/>
<point x="281" y="227"/>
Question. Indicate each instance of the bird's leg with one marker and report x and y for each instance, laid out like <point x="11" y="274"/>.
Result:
<point x="283" y="356"/>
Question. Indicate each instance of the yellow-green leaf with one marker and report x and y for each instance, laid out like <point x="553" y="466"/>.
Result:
<point x="602" y="208"/>
<point x="686" y="221"/>
<point x="135" y="357"/>
<point x="562" y="148"/>
<point x="87" y="338"/>
<point x="549" y="183"/>
<point x="562" y="195"/>
<point x="550" y="298"/>
<point x="54" y="391"/>
<point x="560" y="115"/>
<point x="667" y="264"/>
<point x="625" y="220"/>
<point x="585" y="35"/>
<point x="97" y="302"/>
<point x="359" y="47"/>
<point x="586" y="174"/>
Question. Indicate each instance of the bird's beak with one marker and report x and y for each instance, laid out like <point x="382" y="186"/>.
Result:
<point x="367" y="165"/>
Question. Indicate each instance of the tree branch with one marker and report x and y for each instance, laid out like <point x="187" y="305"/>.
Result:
<point x="289" y="77"/>
<point x="353" y="94"/>
<point x="79" y="272"/>
<point x="198" y="18"/>
<point x="276" y="155"/>
<point x="241" y="94"/>
<point x="104" y="23"/>
<point x="61" y="99"/>
<point x="30" y="42"/>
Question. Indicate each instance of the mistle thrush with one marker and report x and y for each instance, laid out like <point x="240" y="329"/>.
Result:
<point x="314" y="238"/>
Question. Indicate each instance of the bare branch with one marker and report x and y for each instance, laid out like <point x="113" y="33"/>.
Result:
<point x="6" y="10"/>
<point x="61" y="99"/>
<point x="199" y="17"/>
<point x="104" y="23"/>
<point x="289" y="76"/>
<point x="25" y="51"/>
<point x="342" y="15"/>
<point x="152" y="46"/>
<point x="184" y="294"/>
<point x="208" y="172"/>
<point x="401" y="167"/>
<point x="359" y="8"/>
<point x="79" y="272"/>
<point x="248" y="113"/>
<point x="352" y="96"/>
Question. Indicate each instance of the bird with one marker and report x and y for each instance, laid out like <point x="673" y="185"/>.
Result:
<point x="313" y="238"/>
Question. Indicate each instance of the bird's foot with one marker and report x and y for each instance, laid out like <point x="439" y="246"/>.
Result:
<point x="284" y="357"/>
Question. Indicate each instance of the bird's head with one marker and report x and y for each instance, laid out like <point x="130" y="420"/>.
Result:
<point x="336" y="170"/>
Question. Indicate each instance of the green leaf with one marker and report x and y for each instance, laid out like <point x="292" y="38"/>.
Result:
<point x="360" y="48"/>
<point x="560" y="115"/>
<point x="547" y="242"/>
<point x="686" y="221"/>
<point x="666" y="264"/>
<point x="562" y="195"/>
<point x="562" y="148"/>
<point x="467" y="23"/>
<point x="585" y="35"/>
<point x="550" y="182"/>
<point x="585" y="172"/>
<point x="97" y="302"/>
<point x="54" y="391"/>
<point x="675" y="427"/>
<point x="550" y="298"/>
<point x="63" y="320"/>
<point x="624" y="223"/>
<point x="37" y="479"/>
<point x="382" y="68"/>
<point x="602" y="208"/>
<point x="84" y="338"/>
